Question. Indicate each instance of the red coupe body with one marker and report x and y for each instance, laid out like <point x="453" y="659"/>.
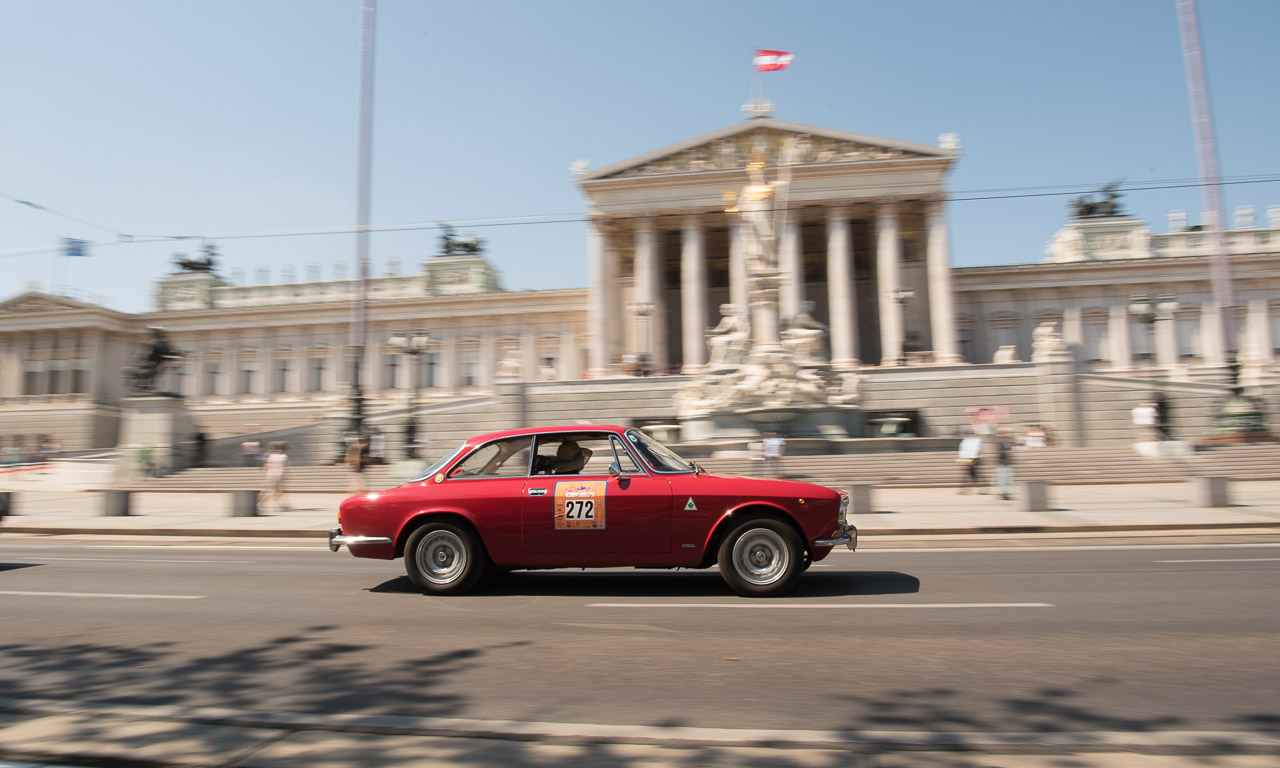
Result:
<point x="588" y="496"/>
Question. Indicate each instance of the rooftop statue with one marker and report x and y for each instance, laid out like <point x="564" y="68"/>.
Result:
<point x="1087" y="208"/>
<point x="455" y="246"/>
<point x="206" y="264"/>
<point x="143" y="375"/>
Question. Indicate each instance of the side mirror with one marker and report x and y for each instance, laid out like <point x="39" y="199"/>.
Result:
<point x="614" y="469"/>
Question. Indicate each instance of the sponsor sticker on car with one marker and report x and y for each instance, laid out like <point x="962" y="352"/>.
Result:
<point x="580" y="505"/>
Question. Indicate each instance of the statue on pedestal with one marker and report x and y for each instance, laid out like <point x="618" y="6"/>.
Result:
<point x="730" y="341"/>
<point x="144" y="374"/>
<point x="755" y="375"/>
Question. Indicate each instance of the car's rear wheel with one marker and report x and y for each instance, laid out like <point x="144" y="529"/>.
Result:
<point x="444" y="559"/>
<point x="761" y="557"/>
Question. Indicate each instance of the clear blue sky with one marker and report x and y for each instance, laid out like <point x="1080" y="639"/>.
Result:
<point x="179" y="117"/>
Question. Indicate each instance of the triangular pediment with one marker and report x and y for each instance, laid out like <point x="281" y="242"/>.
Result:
<point x="35" y="301"/>
<point x="730" y="149"/>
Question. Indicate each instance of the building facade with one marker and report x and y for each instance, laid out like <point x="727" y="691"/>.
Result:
<point x="863" y="254"/>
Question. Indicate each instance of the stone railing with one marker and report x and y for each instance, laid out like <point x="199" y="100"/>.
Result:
<point x="1239" y="241"/>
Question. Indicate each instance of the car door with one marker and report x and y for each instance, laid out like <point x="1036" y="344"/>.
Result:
<point x="590" y="511"/>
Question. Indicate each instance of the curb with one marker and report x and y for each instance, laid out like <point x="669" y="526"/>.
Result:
<point x="862" y="532"/>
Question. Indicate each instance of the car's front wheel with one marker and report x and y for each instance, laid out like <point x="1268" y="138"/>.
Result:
<point x="761" y="557"/>
<point x="444" y="559"/>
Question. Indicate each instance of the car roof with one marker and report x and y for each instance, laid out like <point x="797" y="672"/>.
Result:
<point x="576" y="428"/>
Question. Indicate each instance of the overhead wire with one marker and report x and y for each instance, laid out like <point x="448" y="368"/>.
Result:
<point x="1060" y="190"/>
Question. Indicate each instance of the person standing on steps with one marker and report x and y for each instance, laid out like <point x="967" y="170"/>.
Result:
<point x="774" y="446"/>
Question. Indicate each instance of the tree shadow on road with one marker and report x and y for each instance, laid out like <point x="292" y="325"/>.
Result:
<point x="708" y="583"/>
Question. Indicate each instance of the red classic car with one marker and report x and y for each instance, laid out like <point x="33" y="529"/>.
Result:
<point x="593" y="497"/>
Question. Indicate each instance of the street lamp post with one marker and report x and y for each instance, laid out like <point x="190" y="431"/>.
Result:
<point x="412" y="343"/>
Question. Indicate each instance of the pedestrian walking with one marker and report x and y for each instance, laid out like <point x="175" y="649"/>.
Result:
<point x="774" y="446"/>
<point x="969" y="457"/>
<point x="1003" y="476"/>
<point x="274" y="467"/>
<point x="1145" y="418"/>
<point x="357" y="458"/>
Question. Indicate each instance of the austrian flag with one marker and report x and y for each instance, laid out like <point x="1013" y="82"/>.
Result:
<point x="770" y="61"/>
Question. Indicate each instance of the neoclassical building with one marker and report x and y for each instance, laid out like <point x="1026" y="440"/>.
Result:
<point x="863" y="252"/>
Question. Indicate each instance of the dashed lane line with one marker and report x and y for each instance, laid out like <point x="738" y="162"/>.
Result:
<point x="110" y="595"/>
<point x="824" y="606"/>
<point x="1047" y="548"/>
<point x="1226" y="560"/>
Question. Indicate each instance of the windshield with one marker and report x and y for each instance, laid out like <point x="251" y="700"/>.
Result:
<point x="659" y="456"/>
<point x="439" y="465"/>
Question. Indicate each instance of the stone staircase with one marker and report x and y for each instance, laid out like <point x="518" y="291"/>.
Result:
<point x="1062" y="466"/>
<point x="316" y="479"/>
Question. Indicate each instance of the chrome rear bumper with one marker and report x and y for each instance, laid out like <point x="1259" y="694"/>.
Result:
<point x="846" y="535"/>
<point x="336" y="539"/>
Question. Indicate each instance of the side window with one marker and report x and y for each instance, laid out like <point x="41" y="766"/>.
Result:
<point x="501" y="458"/>
<point x="576" y="454"/>
<point x="625" y="462"/>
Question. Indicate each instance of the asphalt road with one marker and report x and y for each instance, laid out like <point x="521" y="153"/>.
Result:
<point x="1095" y="635"/>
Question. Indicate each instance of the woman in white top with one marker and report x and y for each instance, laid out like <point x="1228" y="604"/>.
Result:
<point x="274" y="466"/>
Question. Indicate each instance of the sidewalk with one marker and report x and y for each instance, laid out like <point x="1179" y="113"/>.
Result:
<point x="897" y="511"/>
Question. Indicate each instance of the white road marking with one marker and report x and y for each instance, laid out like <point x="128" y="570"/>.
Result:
<point x="1049" y="548"/>
<point x="319" y="546"/>
<point x="820" y="605"/>
<point x="131" y="560"/>
<point x="454" y="726"/>
<point x="102" y="594"/>
<point x="622" y="627"/>
<point x="1226" y="560"/>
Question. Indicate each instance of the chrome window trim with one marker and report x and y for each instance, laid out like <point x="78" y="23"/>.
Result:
<point x="606" y="432"/>
<point x="527" y="468"/>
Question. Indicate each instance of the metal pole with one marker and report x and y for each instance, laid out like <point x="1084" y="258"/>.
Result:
<point x="1207" y="156"/>
<point x="358" y="332"/>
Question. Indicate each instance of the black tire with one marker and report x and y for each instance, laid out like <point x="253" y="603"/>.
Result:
<point x="761" y="557"/>
<point x="444" y="559"/>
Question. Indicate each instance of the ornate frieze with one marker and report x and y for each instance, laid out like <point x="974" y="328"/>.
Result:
<point x="732" y="153"/>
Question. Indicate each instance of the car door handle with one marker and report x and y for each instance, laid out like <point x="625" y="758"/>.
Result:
<point x="537" y="491"/>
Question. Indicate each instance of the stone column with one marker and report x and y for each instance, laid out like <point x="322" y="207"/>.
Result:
<point x="9" y="363"/>
<point x="448" y="372"/>
<point x="300" y="359"/>
<point x="1166" y="336"/>
<point x="648" y="283"/>
<point x="1260" y="342"/>
<point x="93" y="355"/>
<point x="529" y="354"/>
<point x="889" y="282"/>
<point x="737" y="266"/>
<point x="487" y="366"/>
<point x="791" y="262"/>
<point x="568" y="353"/>
<point x="1118" y="335"/>
<point x="600" y="280"/>
<point x="1211" y="333"/>
<point x="338" y="364"/>
<point x="841" y="298"/>
<point x="693" y="295"/>
<point x="942" y="309"/>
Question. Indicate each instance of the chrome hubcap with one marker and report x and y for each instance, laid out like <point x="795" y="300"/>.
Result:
<point x="761" y="556"/>
<point x="442" y="557"/>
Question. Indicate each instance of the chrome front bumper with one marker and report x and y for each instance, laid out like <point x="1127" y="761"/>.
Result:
<point x="846" y="535"/>
<point x="336" y="539"/>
